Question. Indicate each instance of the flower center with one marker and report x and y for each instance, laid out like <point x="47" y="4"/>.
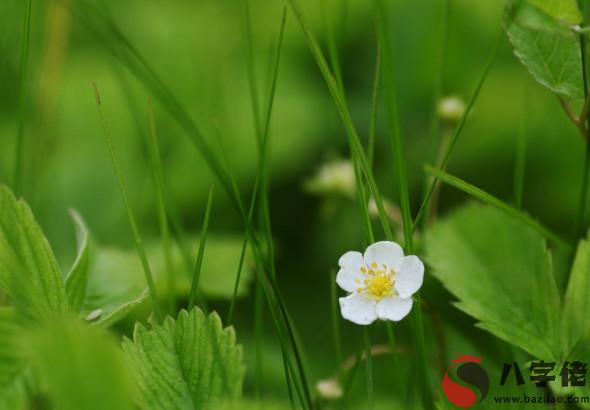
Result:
<point x="378" y="282"/>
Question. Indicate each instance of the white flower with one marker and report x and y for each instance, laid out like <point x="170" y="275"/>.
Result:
<point x="381" y="283"/>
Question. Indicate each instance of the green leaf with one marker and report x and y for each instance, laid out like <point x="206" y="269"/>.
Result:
<point x="28" y="269"/>
<point x="79" y="367"/>
<point x="500" y="270"/>
<point x="12" y="364"/>
<point x="116" y="285"/>
<point x="190" y="363"/>
<point x="549" y="50"/>
<point x="561" y="10"/>
<point x="576" y="308"/>
<point x="576" y="318"/>
<point x="77" y="278"/>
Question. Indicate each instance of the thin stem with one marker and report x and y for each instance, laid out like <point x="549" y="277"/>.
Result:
<point x="130" y="216"/>
<point x="581" y="224"/>
<point x="579" y="122"/>
<point x="334" y="317"/>
<point x="457" y="133"/>
<point x="158" y="176"/>
<point x="259" y="337"/>
<point x="369" y="368"/>
<point x="201" y="252"/>
<point x="374" y="106"/>
<point x="393" y="349"/>
<point x="24" y="59"/>
<point x="520" y="161"/>
<point x="399" y="159"/>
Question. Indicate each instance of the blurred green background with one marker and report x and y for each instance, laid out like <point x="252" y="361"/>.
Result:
<point x="197" y="48"/>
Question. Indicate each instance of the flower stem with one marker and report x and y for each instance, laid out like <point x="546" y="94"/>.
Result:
<point x="369" y="367"/>
<point x="520" y="160"/>
<point x="581" y="223"/>
<point x="334" y="316"/>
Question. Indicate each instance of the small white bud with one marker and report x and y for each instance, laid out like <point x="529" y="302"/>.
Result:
<point x="329" y="389"/>
<point x="336" y="177"/>
<point x="95" y="314"/>
<point x="451" y="109"/>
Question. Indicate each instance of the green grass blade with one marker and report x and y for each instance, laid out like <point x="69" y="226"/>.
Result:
<point x="201" y="252"/>
<point x="495" y="202"/>
<point x="130" y="216"/>
<point x="374" y="107"/>
<point x="455" y="137"/>
<point x="393" y="116"/>
<point x="337" y="94"/>
<point x="20" y="130"/>
<point x="520" y="160"/>
<point x="399" y="160"/>
<point x="102" y="26"/>
<point x="158" y="176"/>
<point x="247" y="33"/>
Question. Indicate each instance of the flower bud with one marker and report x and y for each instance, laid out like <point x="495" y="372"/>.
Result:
<point x="336" y="177"/>
<point x="451" y="109"/>
<point x="329" y="389"/>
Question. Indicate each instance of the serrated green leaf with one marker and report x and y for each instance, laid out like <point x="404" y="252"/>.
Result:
<point x="549" y="51"/>
<point x="12" y="364"/>
<point x="561" y="10"/>
<point x="77" y="278"/>
<point x="500" y="270"/>
<point x="78" y="367"/>
<point x="190" y="363"/>
<point x="28" y="269"/>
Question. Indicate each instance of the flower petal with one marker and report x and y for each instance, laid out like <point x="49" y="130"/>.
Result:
<point x="350" y="280"/>
<point x="394" y="308"/>
<point x="358" y="309"/>
<point x="351" y="259"/>
<point x="409" y="277"/>
<point x="384" y="252"/>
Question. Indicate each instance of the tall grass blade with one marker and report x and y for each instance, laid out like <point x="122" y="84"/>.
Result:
<point x="130" y="216"/>
<point x="399" y="160"/>
<point x="338" y="96"/>
<point x="201" y="251"/>
<point x="158" y="176"/>
<point x="374" y="106"/>
<point x="102" y="26"/>
<point x="520" y="161"/>
<point x="495" y="202"/>
<point x="393" y="117"/>
<point x="20" y="130"/>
